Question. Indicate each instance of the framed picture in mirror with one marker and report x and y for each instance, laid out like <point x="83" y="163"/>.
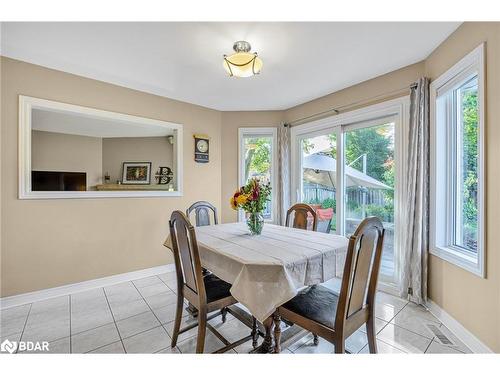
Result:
<point x="136" y="173"/>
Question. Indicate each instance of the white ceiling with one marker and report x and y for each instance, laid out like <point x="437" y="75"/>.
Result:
<point x="90" y="126"/>
<point x="302" y="61"/>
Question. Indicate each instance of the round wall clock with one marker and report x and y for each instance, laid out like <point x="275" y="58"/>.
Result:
<point x="201" y="149"/>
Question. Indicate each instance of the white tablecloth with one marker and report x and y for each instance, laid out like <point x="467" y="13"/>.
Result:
<point x="267" y="270"/>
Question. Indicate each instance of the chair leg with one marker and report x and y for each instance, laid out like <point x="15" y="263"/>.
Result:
<point x="255" y="333"/>
<point x="178" y="318"/>
<point x="315" y="339"/>
<point x="340" y="346"/>
<point x="370" y="332"/>
<point x="277" y="332"/>
<point x="202" y="330"/>
<point x="224" y="314"/>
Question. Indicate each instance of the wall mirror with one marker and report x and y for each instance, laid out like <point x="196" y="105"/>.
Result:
<point x="69" y="151"/>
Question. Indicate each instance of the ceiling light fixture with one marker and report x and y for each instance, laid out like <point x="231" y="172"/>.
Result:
<point x="242" y="63"/>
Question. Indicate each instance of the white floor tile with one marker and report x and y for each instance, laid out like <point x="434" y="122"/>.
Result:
<point x="137" y="324"/>
<point x="167" y="314"/>
<point x="61" y="346"/>
<point x="90" y="320"/>
<point x="148" y="342"/>
<point x="379" y="325"/>
<point x="154" y="289"/>
<point x="12" y="320"/>
<point x="160" y="300"/>
<point x="86" y="297"/>
<point x="169" y="276"/>
<point x="94" y="338"/>
<point x="147" y="281"/>
<point x="169" y="350"/>
<point x="390" y="300"/>
<point x="403" y="339"/>
<point x="50" y="306"/>
<point x="385" y="312"/>
<point x="122" y="293"/>
<point x="47" y="330"/>
<point x="212" y="343"/>
<point x="114" y="348"/>
<point x="88" y="306"/>
<point x="126" y="310"/>
<point x="436" y="348"/>
<point x="420" y="311"/>
<point x="382" y="348"/>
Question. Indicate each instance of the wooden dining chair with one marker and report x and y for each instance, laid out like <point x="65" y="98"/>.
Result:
<point x="336" y="316"/>
<point x="202" y="213"/>
<point x="300" y="213"/>
<point x="206" y="293"/>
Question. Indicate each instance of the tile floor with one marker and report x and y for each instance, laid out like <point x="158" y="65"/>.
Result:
<point x="137" y="317"/>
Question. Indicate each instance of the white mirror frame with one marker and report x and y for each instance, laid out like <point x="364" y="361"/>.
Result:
<point x="26" y="105"/>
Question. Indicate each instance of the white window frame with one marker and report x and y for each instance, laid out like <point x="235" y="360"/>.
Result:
<point x="442" y="156"/>
<point x="264" y="132"/>
<point x="398" y="109"/>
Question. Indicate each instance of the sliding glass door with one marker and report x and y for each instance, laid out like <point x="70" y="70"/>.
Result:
<point x="369" y="182"/>
<point x="319" y="177"/>
<point x="347" y="172"/>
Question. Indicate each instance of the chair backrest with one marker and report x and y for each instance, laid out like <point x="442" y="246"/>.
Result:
<point x="202" y="213"/>
<point x="361" y="269"/>
<point x="186" y="256"/>
<point x="300" y="213"/>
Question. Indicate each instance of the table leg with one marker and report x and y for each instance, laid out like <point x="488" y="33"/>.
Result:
<point x="277" y="332"/>
<point x="193" y="311"/>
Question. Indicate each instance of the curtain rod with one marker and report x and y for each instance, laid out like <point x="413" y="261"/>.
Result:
<point x="336" y="111"/>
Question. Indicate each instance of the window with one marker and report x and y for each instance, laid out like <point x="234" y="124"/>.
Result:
<point x="457" y="164"/>
<point x="258" y="158"/>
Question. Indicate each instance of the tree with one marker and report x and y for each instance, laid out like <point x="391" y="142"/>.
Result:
<point x="257" y="158"/>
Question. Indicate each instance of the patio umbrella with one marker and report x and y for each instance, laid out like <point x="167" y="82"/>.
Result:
<point x="322" y="169"/>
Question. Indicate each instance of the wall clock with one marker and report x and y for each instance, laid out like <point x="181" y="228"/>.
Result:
<point x="201" y="148"/>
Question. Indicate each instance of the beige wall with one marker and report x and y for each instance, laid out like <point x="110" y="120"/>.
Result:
<point x="48" y="243"/>
<point x="385" y="87"/>
<point x="231" y="122"/>
<point x="67" y="153"/>
<point x="115" y="151"/>
<point x="473" y="301"/>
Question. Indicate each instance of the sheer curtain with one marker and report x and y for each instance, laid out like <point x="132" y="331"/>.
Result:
<point x="416" y="226"/>
<point x="283" y="172"/>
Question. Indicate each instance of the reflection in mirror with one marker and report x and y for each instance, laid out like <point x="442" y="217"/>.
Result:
<point x="94" y="151"/>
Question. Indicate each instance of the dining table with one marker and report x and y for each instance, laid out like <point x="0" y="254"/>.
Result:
<point x="269" y="269"/>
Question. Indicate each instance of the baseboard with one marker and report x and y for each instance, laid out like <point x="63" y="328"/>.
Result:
<point x="472" y="342"/>
<point x="39" y="295"/>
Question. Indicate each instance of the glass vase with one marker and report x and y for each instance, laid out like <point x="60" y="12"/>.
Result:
<point x="255" y="222"/>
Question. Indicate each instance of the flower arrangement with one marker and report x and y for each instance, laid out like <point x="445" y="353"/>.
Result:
<point x="252" y="198"/>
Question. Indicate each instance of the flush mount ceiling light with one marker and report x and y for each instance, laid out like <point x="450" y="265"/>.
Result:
<point x="242" y="63"/>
